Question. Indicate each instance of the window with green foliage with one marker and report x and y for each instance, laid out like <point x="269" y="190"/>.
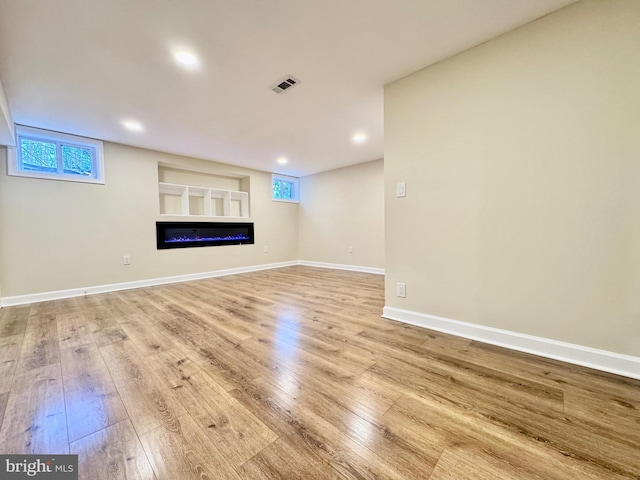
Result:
<point x="285" y="189"/>
<point x="58" y="156"/>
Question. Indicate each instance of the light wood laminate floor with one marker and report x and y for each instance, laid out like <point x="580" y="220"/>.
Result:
<point x="291" y="373"/>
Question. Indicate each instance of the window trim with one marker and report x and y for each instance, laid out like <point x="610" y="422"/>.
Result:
<point x="295" y="181"/>
<point x="58" y="137"/>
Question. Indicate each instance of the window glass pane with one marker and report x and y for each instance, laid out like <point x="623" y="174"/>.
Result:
<point x="38" y="155"/>
<point x="287" y="190"/>
<point x="77" y="160"/>
<point x="276" y="189"/>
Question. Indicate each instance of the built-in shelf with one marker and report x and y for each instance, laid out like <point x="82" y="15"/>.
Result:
<point x="186" y="200"/>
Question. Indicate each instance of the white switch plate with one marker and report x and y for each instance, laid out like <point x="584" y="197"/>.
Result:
<point x="350" y="249"/>
<point x="265" y="249"/>
<point x="126" y="260"/>
<point x="401" y="290"/>
<point x="401" y="189"/>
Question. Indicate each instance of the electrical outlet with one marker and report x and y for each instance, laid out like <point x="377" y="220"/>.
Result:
<point x="350" y="249"/>
<point x="401" y="290"/>
<point x="265" y="249"/>
<point x="401" y="189"/>
<point x="126" y="260"/>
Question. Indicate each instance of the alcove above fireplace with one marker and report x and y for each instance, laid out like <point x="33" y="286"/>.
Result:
<point x="202" y="234"/>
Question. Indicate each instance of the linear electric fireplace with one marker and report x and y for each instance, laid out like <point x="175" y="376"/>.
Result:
<point x="202" y="234"/>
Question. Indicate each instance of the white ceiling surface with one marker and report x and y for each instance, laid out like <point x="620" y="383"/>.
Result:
<point x="83" y="66"/>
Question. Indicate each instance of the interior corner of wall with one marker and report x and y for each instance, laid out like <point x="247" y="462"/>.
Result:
<point x="7" y="127"/>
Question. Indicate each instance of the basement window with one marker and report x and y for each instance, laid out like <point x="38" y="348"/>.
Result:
<point x="285" y="189"/>
<point x="56" y="156"/>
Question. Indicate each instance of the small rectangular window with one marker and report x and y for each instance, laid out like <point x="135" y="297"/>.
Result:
<point x="56" y="156"/>
<point x="285" y="189"/>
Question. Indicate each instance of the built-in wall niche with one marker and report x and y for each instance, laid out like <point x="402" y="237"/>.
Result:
<point x="196" y="194"/>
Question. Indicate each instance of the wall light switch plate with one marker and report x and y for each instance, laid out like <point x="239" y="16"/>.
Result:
<point x="126" y="260"/>
<point x="401" y="189"/>
<point x="401" y="290"/>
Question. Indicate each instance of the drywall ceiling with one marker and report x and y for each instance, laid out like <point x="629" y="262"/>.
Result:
<point x="85" y="66"/>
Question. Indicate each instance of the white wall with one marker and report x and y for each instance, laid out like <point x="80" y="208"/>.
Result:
<point x="522" y="163"/>
<point x="57" y="235"/>
<point x="342" y="208"/>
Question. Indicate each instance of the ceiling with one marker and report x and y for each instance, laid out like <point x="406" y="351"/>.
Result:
<point x="85" y="66"/>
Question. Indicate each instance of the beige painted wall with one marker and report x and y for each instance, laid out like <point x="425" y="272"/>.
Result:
<point x="522" y="163"/>
<point x="340" y="208"/>
<point x="58" y="235"/>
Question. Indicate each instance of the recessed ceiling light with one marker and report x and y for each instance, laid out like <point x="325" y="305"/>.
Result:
<point x="282" y="161"/>
<point x="186" y="59"/>
<point x="133" y="125"/>
<point x="359" y="138"/>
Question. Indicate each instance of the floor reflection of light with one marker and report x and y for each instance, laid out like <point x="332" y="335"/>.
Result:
<point x="286" y="343"/>
<point x="49" y="428"/>
<point x="364" y="431"/>
<point x="86" y="411"/>
<point x="286" y="340"/>
<point x="289" y="387"/>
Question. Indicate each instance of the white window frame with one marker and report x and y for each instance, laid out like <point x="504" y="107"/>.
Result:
<point x="296" y="188"/>
<point x="14" y="160"/>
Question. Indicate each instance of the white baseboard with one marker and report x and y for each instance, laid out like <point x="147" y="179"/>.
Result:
<point x="341" y="266"/>
<point x="79" y="292"/>
<point x="625" y="365"/>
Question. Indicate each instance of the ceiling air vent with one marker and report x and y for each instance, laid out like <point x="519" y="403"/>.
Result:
<point x="284" y="84"/>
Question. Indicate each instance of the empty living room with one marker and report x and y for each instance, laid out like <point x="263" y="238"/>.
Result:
<point x="320" y="239"/>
